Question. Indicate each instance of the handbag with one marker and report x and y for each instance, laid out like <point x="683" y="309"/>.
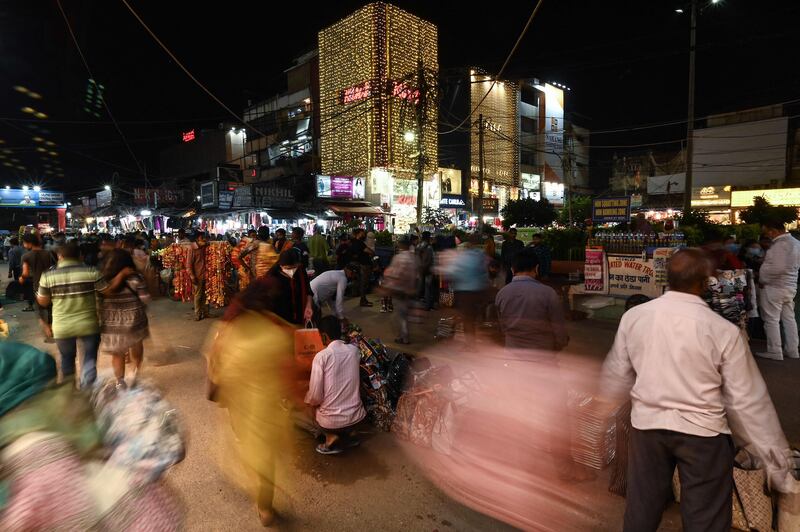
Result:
<point x="307" y="343"/>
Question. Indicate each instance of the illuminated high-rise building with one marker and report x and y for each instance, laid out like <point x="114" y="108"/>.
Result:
<point x="373" y="69"/>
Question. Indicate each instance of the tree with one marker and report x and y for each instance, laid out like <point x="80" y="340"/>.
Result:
<point x="762" y="211"/>
<point x="527" y="212"/>
<point x="581" y="211"/>
<point x="435" y="217"/>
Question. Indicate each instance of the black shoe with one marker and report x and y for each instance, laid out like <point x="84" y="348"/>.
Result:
<point x="366" y="303"/>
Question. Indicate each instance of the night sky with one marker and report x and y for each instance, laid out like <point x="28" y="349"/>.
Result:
<point x="625" y="61"/>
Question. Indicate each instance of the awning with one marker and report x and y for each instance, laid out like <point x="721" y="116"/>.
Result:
<point x="356" y="209"/>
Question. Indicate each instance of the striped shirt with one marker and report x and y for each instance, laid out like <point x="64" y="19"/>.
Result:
<point x="334" y="386"/>
<point x="73" y="288"/>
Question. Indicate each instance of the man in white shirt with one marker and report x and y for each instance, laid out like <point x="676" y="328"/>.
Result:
<point x="329" y="288"/>
<point x="778" y="286"/>
<point x="334" y="390"/>
<point x="692" y="382"/>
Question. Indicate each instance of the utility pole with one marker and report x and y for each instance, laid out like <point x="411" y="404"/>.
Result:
<point x="566" y="170"/>
<point x="687" y="193"/>
<point x="421" y="113"/>
<point x="480" y="171"/>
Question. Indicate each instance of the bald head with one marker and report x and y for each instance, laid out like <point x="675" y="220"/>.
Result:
<point x="688" y="271"/>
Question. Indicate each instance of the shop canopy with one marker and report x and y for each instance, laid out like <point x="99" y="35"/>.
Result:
<point x="362" y="210"/>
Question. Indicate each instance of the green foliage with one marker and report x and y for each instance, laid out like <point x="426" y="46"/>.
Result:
<point x="694" y="236"/>
<point x="566" y="243"/>
<point x="435" y="217"/>
<point x="384" y="239"/>
<point x="581" y="211"/>
<point x="528" y="212"/>
<point x="745" y="232"/>
<point x="762" y="211"/>
<point x="694" y="218"/>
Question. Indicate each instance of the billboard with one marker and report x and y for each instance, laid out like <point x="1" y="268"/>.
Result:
<point x="104" y="198"/>
<point x="605" y="210"/>
<point x="553" y="132"/>
<point x="450" y="181"/>
<point x="340" y="187"/>
<point x="711" y="196"/>
<point x="17" y="197"/>
<point x="208" y="194"/>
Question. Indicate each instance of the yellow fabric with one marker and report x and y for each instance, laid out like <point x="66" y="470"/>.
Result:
<point x="250" y="362"/>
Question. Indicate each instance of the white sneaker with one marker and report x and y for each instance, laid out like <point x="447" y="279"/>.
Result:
<point x="769" y="356"/>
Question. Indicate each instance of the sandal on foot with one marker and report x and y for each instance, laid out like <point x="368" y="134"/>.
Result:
<point x="324" y="449"/>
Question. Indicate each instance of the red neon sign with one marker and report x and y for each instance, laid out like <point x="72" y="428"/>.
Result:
<point x="404" y="92"/>
<point x="358" y="92"/>
<point x="188" y="136"/>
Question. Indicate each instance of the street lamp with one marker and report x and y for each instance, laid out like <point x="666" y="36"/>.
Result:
<point x="107" y="187"/>
<point x="25" y="188"/>
<point x="37" y="188"/>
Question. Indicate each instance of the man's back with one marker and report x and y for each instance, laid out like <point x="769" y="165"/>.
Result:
<point x="781" y="263"/>
<point x="73" y="288"/>
<point x="531" y="315"/>
<point x="335" y="386"/>
<point x="325" y="285"/>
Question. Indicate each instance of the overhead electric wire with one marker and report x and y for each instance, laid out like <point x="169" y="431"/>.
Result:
<point x="91" y="76"/>
<point x="502" y="69"/>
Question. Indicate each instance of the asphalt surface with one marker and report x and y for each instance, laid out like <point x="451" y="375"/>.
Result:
<point x="374" y="487"/>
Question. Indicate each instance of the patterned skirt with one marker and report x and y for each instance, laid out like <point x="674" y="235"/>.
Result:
<point x="122" y="327"/>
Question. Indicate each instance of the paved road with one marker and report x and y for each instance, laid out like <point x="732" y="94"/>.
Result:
<point x="374" y="487"/>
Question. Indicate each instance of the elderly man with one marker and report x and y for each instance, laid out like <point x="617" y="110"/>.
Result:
<point x="692" y="382"/>
<point x="777" y="278"/>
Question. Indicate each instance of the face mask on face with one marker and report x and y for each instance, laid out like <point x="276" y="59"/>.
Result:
<point x="288" y="272"/>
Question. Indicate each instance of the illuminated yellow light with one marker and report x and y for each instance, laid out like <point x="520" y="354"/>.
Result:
<point x="53" y="153"/>
<point x="20" y="88"/>
<point x="7" y="164"/>
<point x="40" y="115"/>
<point x="2" y="141"/>
<point x="35" y="95"/>
<point x="38" y="139"/>
<point x="28" y="110"/>
<point x="50" y="143"/>
<point x="41" y="150"/>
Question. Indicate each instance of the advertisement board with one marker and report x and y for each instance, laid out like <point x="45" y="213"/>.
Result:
<point x="340" y="187"/>
<point x="554" y="193"/>
<point x="103" y="198"/>
<point x="628" y="276"/>
<point x="242" y="197"/>
<point x="17" y="197"/>
<point x="606" y="210"/>
<point x="787" y="197"/>
<point x="452" y="201"/>
<point x="208" y="194"/>
<point x="594" y="271"/>
<point x="450" y="181"/>
<point x="711" y="196"/>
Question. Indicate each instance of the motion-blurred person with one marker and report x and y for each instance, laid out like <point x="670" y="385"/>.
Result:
<point x="692" y="382"/>
<point x="752" y="255"/>
<point x="400" y="284"/>
<point x="124" y="316"/>
<point x="15" y="268"/>
<point x="721" y="257"/>
<point x="343" y="251"/>
<point x="777" y="279"/>
<point x="259" y="256"/>
<point x="544" y="255"/>
<point x="511" y="246"/>
<point x="250" y="371"/>
<point x="196" y="266"/>
<point x="34" y="263"/>
<point x="469" y="279"/>
<point x="425" y="258"/>
<point x="6" y="246"/>
<point x="334" y="390"/>
<point x="294" y="302"/>
<point x="531" y="313"/>
<point x="297" y="243"/>
<point x="413" y="243"/>
<point x="72" y="289"/>
<point x="490" y="247"/>
<point x="182" y="238"/>
<point x="362" y="255"/>
<point x="280" y="242"/>
<point x="371" y="241"/>
<point x="329" y="289"/>
<point x="318" y="251"/>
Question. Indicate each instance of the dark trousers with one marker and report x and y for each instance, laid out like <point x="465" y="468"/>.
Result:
<point x="470" y="307"/>
<point x="705" y="467"/>
<point x="68" y="348"/>
<point x="364" y="280"/>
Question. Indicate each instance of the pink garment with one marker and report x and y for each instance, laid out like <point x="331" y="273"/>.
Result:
<point x="335" y="386"/>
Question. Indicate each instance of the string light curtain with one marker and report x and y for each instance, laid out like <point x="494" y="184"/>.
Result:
<point x="369" y="67"/>
<point x="499" y="110"/>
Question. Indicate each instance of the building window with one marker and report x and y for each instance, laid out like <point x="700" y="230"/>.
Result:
<point x="528" y="124"/>
<point x="530" y="96"/>
<point x="528" y="158"/>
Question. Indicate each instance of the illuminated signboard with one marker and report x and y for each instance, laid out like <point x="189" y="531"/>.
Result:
<point x="188" y="136"/>
<point x="15" y="197"/>
<point x="356" y="93"/>
<point x="711" y="196"/>
<point x="362" y="91"/>
<point x="787" y="197"/>
<point x="606" y="210"/>
<point x="452" y="201"/>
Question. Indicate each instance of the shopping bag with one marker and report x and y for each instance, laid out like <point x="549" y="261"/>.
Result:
<point x="307" y="343"/>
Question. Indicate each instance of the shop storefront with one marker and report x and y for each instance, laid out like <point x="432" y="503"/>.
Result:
<point x="779" y="197"/>
<point x="714" y="200"/>
<point x="44" y="209"/>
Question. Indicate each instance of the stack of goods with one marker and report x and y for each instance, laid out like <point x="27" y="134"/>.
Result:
<point x="73" y="464"/>
<point x="243" y="274"/>
<point x="218" y="271"/>
<point x="174" y="258"/>
<point x="593" y="436"/>
<point x="729" y="295"/>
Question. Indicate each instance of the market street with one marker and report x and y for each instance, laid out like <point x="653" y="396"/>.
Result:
<point x="373" y="487"/>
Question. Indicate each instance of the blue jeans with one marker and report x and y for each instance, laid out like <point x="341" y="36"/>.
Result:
<point x="68" y="347"/>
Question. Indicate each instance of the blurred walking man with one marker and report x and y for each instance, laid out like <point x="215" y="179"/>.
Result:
<point x="196" y="264"/>
<point x="778" y="281"/>
<point x="692" y="382"/>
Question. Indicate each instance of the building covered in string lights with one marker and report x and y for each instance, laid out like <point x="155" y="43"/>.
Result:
<point x="378" y="113"/>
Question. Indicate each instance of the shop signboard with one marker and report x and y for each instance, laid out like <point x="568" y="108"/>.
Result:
<point x="636" y="201"/>
<point x="554" y="192"/>
<point x="490" y="206"/>
<point x="242" y="197"/>
<point x="628" y="276"/>
<point x="208" y="194"/>
<point x="605" y="210"/>
<point x="272" y="195"/>
<point x="103" y="198"/>
<point x="785" y="197"/>
<point x="711" y="196"/>
<point x="155" y="196"/>
<point x="341" y="187"/>
<point x="594" y="271"/>
<point x="452" y="201"/>
<point x="225" y="199"/>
